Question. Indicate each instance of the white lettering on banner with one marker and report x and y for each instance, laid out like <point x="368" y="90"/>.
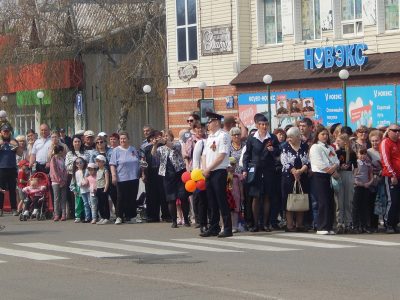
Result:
<point x="382" y="93"/>
<point x="332" y="110"/>
<point x="332" y="117"/>
<point x="383" y="107"/>
<point x="333" y="97"/>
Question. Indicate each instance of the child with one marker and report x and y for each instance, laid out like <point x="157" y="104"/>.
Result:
<point x="23" y="179"/>
<point x="344" y="195"/>
<point x="363" y="178"/>
<point x="103" y="183"/>
<point x="33" y="192"/>
<point x="59" y="177"/>
<point x="91" y="183"/>
<point x="235" y="193"/>
<point x="81" y="191"/>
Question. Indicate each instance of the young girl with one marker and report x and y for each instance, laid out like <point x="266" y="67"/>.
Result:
<point x="34" y="192"/>
<point x="103" y="183"/>
<point x="23" y="179"/>
<point x="81" y="191"/>
<point x="235" y="190"/>
<point x="90" y="180"/>
<point x="59" y="177"/>
<point x="344" y="195"/>
<point x="363" y="178"/>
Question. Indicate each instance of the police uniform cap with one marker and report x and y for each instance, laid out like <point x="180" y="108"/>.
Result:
<point x="5" y="127"/>
<point x="214" y="116"/>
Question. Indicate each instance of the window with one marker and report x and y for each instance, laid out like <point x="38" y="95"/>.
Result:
<point x="391" y="14"/>
<point x="352" y="17"/>
<point x="186" y="21"/>
<point x="272" y="21"/>
<point x="310" y="19"/>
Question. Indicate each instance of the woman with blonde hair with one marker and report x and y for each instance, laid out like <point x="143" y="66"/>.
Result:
<point x="345" y="190"/>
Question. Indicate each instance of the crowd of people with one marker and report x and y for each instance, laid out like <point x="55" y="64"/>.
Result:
<point x="351" y="178"/>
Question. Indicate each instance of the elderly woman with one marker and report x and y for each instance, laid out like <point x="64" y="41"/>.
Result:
<point x="237" y="145"/>
<point x="125" y="170"/>
<point x="295" y="165"/>
<point x="324" y="164"/>
<point x="172" y="166"/>
<point x="259" y="161"/>
<point x="23" y="145"/>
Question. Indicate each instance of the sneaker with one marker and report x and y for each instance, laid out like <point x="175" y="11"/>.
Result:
<point x="15" y="213"/>
<point x="26" y="213"/>
<point x="35" y="211"/>
<point x="131" y="221"/>
<point x="104" y="222"/>
<point x="323" y="232"/>
<point x="77" y="220"/>
<point x="118" y="221"/>
<point x="331" y="232"/>
<point x="100" y="221"/>
<point x="93" y="221"/>
<point x="56" y="218"/>
<point x="234" y="230"/>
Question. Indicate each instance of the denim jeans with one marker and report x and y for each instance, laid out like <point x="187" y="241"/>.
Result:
<point x="86" y="206"/>
<point x="93" y="206"/>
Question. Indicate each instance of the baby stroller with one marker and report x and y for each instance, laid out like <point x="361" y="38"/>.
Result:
<point x="44" y="203"/>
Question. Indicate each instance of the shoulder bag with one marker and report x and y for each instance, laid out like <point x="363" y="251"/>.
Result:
<point x="297" y="201"/>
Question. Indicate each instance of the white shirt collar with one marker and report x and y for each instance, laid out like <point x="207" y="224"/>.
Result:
<point x="215" y="134"/>
<point x="257" y="136"/>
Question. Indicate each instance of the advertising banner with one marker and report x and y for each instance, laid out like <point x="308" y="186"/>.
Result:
<point x="250" y="104"/>
<point x="372" y="106"/>
<point x="328" y="105"/>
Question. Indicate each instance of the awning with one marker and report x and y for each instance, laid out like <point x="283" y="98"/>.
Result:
<point x="57" y="96"/>
<point x="378" y="64"/>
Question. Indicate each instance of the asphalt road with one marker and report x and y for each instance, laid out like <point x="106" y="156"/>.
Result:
<point x="47" y="260"/>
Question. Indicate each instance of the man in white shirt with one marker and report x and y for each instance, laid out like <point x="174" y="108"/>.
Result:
<point x="215" y="162"/>
<point x="40" y="150"/>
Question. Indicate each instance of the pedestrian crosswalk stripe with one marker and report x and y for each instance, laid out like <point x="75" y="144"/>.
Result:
<point x="182" y="246"/>
<point x="28" y="254"/>
<point x="271" y="239"/>
<point x="79" y="251"/>
<point x="132" y="248"/>
<point x="339" y="239"/>
<point x="2" y="261"/>
<point x="235" y="245"/>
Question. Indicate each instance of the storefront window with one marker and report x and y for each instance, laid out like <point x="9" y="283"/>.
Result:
<point x="391" y="14"/>
<point x="186" y="21"/>
<point x="310" y="19"/>
<point x="352" y="17"/>
<point x="273" y="21"/>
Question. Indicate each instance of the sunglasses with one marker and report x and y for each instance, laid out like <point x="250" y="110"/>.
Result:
<point x="190" y="120"/>
<point x="100" y="142"/>
<point x="395" y="130"/>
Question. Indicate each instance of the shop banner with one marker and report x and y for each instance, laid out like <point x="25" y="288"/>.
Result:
<point x="250" y="104"/>
<point x="328" y="105"/>
<point x="372" y="106"/>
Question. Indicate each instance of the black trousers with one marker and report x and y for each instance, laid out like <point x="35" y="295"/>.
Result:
<point x="393" y="205"/>
<point x="126" y="198"/>
<point x="8" y="181"/>
<point x="373" y="218"/>
<point x="102" y="204"/>
<point x="361" y="205"/>
<point x="112" y="192"/>
<point x="155" y="196"/>
<point x="216" y="194"/>
<point x="321" y="187"/>
<point x="200" y="202"/>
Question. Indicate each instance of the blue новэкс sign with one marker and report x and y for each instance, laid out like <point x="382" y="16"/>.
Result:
<point x="335" y="56"/>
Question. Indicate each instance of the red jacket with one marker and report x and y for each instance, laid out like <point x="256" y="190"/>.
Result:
<point x="390" y="157"/>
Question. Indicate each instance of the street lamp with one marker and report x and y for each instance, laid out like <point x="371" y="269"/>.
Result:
<point x="40" y="95"/>
<point x="268" y="80"/>
<point x="344" y="75"/>
<point x="202" y="86"/>
<point x="147" y="90"/>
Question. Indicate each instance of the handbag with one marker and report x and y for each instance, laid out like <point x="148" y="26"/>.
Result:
<point x="297" y="201"/>
<point x="251" y="173"/>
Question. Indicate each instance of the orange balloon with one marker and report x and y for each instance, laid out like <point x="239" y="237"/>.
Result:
<point x="185" y="177"/>
<point x="201" y="185"/>
<point x="190" y="186"/>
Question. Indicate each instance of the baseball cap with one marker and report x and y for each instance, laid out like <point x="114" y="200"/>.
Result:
<point x="92" y="166"/>
<point x="101" y="157"/>
<point x="5" y="127"/>
<point x="102" y="134"/>
<point x="88" y="133"/>
<point x="80" y="132"/>
<point x="23" y="162"/>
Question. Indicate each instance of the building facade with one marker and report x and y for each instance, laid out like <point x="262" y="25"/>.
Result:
<point x="302" y="44"/>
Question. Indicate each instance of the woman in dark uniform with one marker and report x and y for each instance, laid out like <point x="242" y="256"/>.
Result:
<point x="262" y="151"/>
